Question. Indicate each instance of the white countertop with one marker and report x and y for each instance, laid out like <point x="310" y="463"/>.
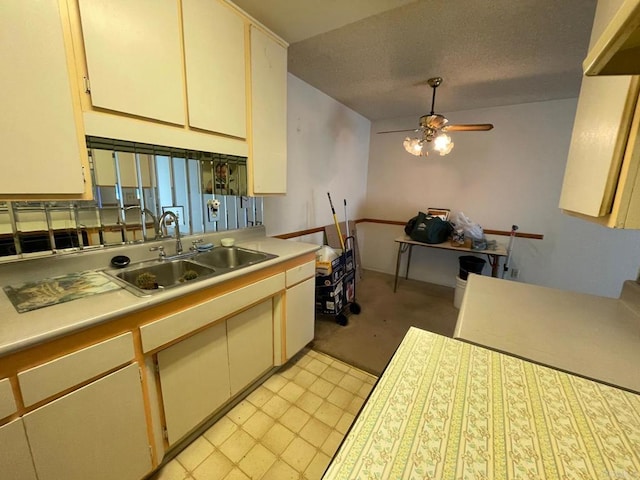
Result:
<point x="596" y="337"/>
<point x="22" y="330"/>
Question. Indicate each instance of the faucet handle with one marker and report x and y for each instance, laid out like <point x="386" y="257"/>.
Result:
<point x="159" y="248"/>
<point x="194" y="244"/>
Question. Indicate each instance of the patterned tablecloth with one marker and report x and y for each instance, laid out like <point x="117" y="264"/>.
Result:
<point x="445" y="409"/>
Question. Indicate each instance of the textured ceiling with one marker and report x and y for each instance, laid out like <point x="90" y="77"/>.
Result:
<point x="376" y="60"/>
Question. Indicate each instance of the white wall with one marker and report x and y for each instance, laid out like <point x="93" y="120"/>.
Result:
<point x="510" y="175"/>
<point x="328" y="151"/>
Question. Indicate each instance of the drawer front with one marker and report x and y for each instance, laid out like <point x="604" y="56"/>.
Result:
<point x="300" y="273"/>
<point x="174" y="326"/>
<point x="62" y="373"/>
<point x="7" y="402"/>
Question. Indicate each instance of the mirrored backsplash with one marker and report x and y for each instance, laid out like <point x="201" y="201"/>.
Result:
<point x="134" y="185"/>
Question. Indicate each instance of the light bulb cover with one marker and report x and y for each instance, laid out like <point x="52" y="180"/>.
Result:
<point x="442" y="144"/>
<point x="414" y="146"/>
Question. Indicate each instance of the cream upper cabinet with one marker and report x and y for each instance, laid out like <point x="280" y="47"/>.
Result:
<point x="214" y="50"/>
<point x="40" y="125"/>
<point x="268" y="149"/>
<point x="134" y="57"/>
<point x="602" y="164"/>
<point x="617" y="50"/>
<point x="598" y="143"/>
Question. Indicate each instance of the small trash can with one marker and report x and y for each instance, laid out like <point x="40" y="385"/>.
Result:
<point x="459" y="292"/>
<point x="470" y="264"/>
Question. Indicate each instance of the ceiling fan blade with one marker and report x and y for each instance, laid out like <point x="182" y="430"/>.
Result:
<point x="471" y="127"/>
<point x="397" y="131"/>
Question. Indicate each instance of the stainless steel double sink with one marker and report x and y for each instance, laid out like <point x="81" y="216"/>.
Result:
<point x="148" y="277"/>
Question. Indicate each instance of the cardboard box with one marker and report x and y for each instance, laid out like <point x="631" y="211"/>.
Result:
<point x="330" y="299"/>
<point x="349" y="283"/>
<point x="336" y="271"/>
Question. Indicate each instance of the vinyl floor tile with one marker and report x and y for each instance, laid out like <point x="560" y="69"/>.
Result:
<point x="286" y="429"/>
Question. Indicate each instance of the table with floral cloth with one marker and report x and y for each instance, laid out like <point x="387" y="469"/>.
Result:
<point x="446" y="409"/>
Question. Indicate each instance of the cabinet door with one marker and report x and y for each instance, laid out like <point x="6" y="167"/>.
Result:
<point x="598" y="143"/>
<point x="97" y="432"/>
<point x="15" y="458"/>
<point x="250" y="340"/>
<point x="300" y="315"/>
<point x="42" y="145"/>
<point x="268" y="158"/>
<point x="134" y="57"/>
<point x="194" y="379"/>
<point x="215" y="64"/>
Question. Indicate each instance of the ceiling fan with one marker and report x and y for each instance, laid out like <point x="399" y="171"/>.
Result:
<point x="434" y="127"/>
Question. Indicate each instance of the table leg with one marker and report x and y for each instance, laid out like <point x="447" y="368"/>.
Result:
<point x="494" y="261"/>
<point x="395" y="283"/>
<point x="406" y="274"/>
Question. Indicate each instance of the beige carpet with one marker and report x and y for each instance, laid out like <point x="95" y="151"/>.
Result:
<point x="370" y="338"/>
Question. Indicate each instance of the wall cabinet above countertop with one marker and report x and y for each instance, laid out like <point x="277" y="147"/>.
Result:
<point x="40" y="121"/>
<point x="617" y="50"/>
<point x="603" y="165"/>
<point x="168" y="72"/>
<point x="193" y="95"/>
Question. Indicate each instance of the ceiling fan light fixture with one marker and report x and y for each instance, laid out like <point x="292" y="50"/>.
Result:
<point x="433" y="128"/>
<point x="442" y="144"/>
<point x="413" y="145"/>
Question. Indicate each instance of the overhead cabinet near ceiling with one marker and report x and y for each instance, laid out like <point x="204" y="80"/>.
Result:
<point x="216" y="84"/>
<point x="175" y="73"/>
<point x="134" y="58"/>
<point x="268" y="159"/>
<point x="602" y="175"/>
<point x="198" y="75"/>
<point x="40" y="124"/>
<point x="617" y="51"/>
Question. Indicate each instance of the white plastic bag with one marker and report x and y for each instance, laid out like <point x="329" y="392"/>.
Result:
<point x="471" y="229"/>
<point x="326" y="254"/>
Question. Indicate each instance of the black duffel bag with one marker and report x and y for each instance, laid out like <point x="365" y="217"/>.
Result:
<point x="427" y="229"/>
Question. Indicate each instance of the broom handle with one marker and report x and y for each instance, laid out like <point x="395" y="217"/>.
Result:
<point x="346" y="222"/>
<point x="335" y="220"/>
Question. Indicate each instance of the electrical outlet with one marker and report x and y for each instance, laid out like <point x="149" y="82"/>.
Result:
<point x="515" y="273"/>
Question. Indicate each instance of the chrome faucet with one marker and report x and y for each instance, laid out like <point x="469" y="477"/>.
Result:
<point x="144" y="212"/>
<point x="174" y="218"/>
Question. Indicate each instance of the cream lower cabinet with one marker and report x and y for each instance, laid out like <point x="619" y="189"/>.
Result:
<point x="299" y="308"/>
<point x="98" y="431"/>
<point x="300" y="311"/>
<point x="199" y="374"/>
<point x="15" y="457"/>
<point x="250" y="343"/>
<point x="194" y="379"/>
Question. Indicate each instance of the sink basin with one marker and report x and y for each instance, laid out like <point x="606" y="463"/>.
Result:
<point x="231" y="257"/>
<point x="158" y="275"/>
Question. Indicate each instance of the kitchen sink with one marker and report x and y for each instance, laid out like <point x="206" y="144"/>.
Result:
<point x="231" y="257"/>
<point x="146" y="278"/>
<point x="157" y="275"/>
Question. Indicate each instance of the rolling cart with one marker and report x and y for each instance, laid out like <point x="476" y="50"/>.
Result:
<point x="336" y="292"/>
